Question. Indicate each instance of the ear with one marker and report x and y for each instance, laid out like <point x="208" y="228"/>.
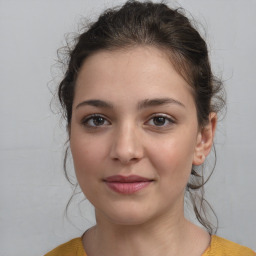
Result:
<point x="205" y="140"/>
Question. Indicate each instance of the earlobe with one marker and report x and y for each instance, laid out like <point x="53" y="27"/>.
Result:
<point x="205" y="140"/>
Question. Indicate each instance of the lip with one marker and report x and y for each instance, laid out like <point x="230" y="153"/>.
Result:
<point x="127" y="184"/>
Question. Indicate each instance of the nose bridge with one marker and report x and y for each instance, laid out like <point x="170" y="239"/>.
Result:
<point x="126" y="144"/>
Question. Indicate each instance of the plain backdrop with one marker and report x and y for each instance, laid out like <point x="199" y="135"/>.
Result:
<point x="33" y="189"/>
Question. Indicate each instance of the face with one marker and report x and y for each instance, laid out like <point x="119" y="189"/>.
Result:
<point x="134" y="135"/>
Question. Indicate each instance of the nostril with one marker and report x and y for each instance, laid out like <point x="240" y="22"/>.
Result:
<point x="126" y="146"/>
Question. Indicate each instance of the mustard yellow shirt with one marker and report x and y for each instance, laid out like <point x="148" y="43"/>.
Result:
<point x="218" y="247"/>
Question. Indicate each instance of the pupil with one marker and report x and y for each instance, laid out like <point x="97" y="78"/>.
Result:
<point x="98" y="121"/>
<point x="159" y="120"/>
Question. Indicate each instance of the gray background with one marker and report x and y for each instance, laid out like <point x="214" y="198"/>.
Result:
<point x="33" y="190"/>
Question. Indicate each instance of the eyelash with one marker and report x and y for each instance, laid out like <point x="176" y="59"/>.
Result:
<point x="165" y="117"/>
<point x="93" y="117"/>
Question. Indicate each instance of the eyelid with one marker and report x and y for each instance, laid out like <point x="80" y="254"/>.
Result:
<point x="85" y="120"/>
<point x="163" y="115"/>
<point x="166" y="116"/>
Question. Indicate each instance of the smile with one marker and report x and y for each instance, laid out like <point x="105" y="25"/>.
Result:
<point x="127" y="184"/>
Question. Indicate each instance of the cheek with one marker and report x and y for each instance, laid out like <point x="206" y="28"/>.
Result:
<point x="173" y="157"/>
<point x="88" y="157"/>
<point x="86" y="164"/>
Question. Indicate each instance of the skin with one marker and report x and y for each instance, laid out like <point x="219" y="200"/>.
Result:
<point x="131" y="137"/>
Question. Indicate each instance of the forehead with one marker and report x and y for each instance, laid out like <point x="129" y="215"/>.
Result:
<point x="143" y="71"/>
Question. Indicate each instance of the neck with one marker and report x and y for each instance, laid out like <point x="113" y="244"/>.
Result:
<point x="169" y="235"/>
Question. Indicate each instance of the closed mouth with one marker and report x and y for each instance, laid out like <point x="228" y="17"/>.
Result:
<point x="127" y="184"/>
<point x="126" y="179"/>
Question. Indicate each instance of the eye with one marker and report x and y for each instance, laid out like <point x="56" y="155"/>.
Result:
<point x="160" y="120"/>
<point x="95" y="120"/>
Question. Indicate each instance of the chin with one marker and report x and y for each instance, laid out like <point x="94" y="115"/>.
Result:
<point x="125" y="216"/>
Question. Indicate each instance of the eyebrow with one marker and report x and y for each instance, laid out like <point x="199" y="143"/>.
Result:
<point x="141" y="105"/>
<point x="95" y="103"/>
<point x="158" y="102"/>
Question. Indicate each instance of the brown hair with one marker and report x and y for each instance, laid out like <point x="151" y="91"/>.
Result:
<point x="157" y="25"/>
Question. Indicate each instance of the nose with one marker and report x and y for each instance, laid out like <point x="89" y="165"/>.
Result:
<point x="126" y="144"/>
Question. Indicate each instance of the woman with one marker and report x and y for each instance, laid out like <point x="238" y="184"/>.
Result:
<point x="141" y="105"/>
